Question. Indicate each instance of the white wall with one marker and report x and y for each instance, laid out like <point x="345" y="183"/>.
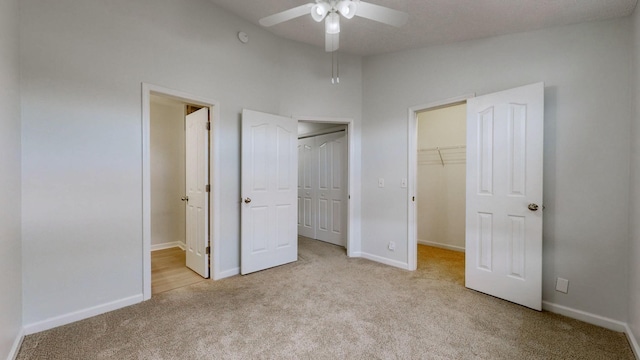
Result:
<point x="441" y="189"/>
<point x="10" y="190"/>
<point x="586" y="70"/>
<point x="634" y="215"/>
<point x="83" y="65"/>
<point x="167" y="152"/>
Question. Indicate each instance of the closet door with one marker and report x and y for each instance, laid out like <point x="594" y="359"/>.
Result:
<point x="331" y="171"/>
<point x="306" y="190"/>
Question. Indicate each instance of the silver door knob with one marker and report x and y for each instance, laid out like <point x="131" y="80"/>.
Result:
<point x="533" y="207"/>
<point x="185" y="198"/>
<point x="247" y="200"/>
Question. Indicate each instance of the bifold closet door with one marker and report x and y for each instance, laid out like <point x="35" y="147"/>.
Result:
<point x="306" y="190"/>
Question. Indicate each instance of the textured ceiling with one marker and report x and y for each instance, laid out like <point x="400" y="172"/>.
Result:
<point x="432" y="22"/>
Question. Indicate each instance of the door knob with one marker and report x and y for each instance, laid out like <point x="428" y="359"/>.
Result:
<point x="533" y="207"/>
<point x="185" y="198"/>
<point x="247" y="200"/>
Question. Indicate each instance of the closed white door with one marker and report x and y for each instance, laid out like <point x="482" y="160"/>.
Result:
<point x="269" y="191"/>
<point x="331" y="188"/>
<point x="504" y="194"/>
<point x="197" y="179"/>
<point x="306" y="188"/>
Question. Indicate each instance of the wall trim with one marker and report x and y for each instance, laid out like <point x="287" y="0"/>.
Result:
<point x="80" y="314"/>
<point x="597" y="320"/>
<point x="633" y="341"/>
<point x="590" y="318"/>
<point x="17" y="344"/>
<point x="386" y="261"/>
<point x="228" y="273"/>
<point x="440" y="245"/>
<point x="167" y="245"/>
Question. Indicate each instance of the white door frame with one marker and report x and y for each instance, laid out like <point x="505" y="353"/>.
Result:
<point x="412" y="150"/>
<point x="214" y="167"/>
<point x="353" y="242"/>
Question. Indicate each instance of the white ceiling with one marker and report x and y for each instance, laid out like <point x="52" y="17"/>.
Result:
<point x="432" y="22"/>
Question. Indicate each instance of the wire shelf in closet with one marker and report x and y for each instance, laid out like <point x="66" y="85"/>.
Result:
<point x="443" y="155"/>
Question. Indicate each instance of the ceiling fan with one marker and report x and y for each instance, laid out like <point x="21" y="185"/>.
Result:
<point x="331" y="10"/>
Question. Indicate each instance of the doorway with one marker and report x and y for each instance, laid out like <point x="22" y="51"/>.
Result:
<point x="322" y="182"/>
<point x="440" y="190"/>
<point x="177" y="158"/>
<point x="426" y="152"/>
<point x="179" y="203"/>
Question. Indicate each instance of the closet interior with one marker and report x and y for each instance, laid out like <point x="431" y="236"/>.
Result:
<point x="441" y="177"/>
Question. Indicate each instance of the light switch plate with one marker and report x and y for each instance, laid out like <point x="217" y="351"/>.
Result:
<point x="403" y="183"/>
<point x="381" y="182"/>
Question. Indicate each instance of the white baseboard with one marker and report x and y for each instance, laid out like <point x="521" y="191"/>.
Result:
<point x="633" y="341"/>
<point x="168" y="245"/>
<point x="227" y="273"/>
<point x="15" y="348"/>
<point x="80" y="314"/>
<point x="594" y="319"/>
<point x="440" y="245"/>
<point x="386" y="261"/>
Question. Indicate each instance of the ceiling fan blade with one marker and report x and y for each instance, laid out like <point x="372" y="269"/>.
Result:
<point x="331" y="42"/>
<point x="286" y="15"/>
<point x="381" y="14"/>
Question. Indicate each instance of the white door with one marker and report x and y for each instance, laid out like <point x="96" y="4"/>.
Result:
<point x="306" y="189"/>
<point x="197" y="179"/>
<point x="504" y="194"/>
<point x="331" y="170"/>
<point x="269" y="191"/>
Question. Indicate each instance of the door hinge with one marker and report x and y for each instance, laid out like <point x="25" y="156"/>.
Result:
<point x="208" y="250"/>
<point x="413" y="198"/>
<point x="208" y="126"/>
<point x="207" y="188"/>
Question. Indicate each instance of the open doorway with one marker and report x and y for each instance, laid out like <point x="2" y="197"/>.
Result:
<point x="440" y="190"/>
<point x="323" y="182"/>
<point x="178" y="154"/>
<point x="186" y="216"/>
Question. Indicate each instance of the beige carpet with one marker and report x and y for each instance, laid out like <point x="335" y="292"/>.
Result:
<point x="326" y="306"/>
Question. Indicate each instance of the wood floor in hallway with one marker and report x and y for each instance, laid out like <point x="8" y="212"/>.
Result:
<point x="169" y="270"/>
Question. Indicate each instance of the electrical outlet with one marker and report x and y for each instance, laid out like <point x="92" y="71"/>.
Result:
<point x="392" y="246"/>
<point x="381" y="182"/>
<point x="562" y="285"/>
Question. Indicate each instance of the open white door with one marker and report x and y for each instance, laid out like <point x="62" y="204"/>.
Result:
<point x="306" y="189"/>
<point x="197" y="198"/>
<point x="504" y="194"/>
<point x="331" y="188"/>
<point x="269" y="191"/>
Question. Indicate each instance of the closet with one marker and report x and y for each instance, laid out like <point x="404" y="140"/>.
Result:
<point x="441" y="177"/>
<point x="322" y="186"/>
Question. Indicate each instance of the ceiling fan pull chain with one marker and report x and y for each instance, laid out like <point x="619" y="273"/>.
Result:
<point x="337" y="67"/>
<point x="332" y="68"/>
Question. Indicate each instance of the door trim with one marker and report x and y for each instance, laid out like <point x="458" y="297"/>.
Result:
<point x="214" y="166"/>
<point x="412" y="149"/>
<point x="353" y="238"/>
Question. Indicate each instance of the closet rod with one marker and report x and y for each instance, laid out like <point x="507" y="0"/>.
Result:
<point x="327" y="133"/>
<point x="444" y="148"/>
